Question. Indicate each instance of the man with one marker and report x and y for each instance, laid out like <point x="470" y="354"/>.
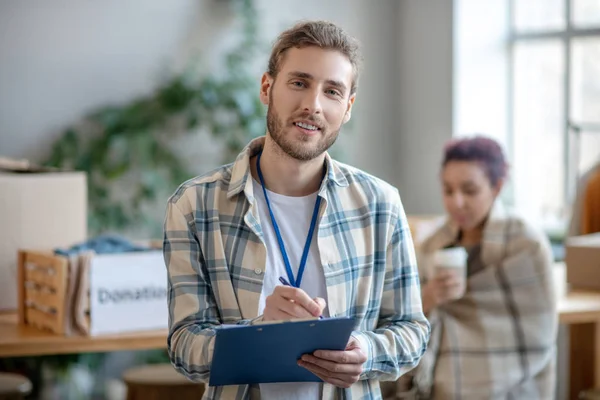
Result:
<point x="232" y="234"/>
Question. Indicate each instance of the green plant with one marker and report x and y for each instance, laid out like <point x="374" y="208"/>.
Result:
<point x="127" y="150"/>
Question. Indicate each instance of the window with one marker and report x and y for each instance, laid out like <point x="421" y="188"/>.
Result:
<point x="554" y="101"/>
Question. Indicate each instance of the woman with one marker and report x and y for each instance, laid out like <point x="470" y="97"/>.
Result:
<point x="493" y="338"/>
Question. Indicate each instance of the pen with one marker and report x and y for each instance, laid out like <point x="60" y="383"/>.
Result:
<point x="286" y="283"/>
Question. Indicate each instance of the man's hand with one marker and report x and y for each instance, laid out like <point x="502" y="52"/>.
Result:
<point x="288" y="302"/>
<point x="340" y="368"/>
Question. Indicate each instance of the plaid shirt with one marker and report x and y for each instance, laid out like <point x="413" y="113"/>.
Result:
<point x="215" y="257"/>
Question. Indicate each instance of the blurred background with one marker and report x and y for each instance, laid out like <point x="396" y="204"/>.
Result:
<point x="142" y="95"/>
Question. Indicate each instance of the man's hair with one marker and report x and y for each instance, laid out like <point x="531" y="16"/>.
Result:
<point x="485" y="151"/>
<point x="323" y="34"/>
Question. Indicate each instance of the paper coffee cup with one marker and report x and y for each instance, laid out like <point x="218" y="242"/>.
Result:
<point x="453" y="259"/>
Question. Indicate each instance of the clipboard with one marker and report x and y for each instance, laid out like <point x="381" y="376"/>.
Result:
<point x="269" y="352"/>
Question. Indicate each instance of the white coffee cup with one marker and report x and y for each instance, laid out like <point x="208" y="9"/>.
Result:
<point x="453" y="260"/>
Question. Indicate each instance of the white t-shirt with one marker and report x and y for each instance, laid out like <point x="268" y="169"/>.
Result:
<point x="293" y="216"/>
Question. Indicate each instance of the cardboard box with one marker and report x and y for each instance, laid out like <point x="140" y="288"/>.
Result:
<point x="93" y="294"/>
<point x="42" y="210"/>
<point x="128" y="293"/>
<point x="582" y="260"/>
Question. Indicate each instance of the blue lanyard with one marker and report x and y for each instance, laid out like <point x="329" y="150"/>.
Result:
<point x="293" y="281"/>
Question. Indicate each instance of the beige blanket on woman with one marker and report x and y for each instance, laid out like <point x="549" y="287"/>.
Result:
<point x="498" y="341"/>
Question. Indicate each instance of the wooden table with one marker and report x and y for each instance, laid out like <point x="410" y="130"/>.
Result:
<point x="580" y="310"/>
<point x="18" y="340"/>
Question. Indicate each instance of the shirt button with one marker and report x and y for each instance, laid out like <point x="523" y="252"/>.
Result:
<point x="258" y="271"/>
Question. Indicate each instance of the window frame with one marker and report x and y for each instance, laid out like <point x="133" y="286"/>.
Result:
<point x="571" y="129"/>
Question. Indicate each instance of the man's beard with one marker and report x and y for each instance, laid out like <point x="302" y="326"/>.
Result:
<point x="292" y="147"/>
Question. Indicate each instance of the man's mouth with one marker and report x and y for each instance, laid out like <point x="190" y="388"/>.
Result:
<point x="307" y="126"/>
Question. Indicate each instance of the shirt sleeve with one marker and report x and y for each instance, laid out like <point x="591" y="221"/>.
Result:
<point x="400" y="339"/>
<point x="193" y="310"/>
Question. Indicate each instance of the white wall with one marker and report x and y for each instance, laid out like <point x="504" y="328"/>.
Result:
<point x="64" y="59"/>
<point x="424" y="91"/>
<point x="481" y="68"/>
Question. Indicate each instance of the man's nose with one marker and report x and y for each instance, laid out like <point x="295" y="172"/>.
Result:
<point x="311" y="102"/>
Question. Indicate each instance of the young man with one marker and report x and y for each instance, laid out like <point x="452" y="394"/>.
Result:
<point x="286" y="209"/>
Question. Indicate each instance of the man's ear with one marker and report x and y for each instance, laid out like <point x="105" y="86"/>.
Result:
<point x="266" y="83"/>
<point x="349" y="108"/>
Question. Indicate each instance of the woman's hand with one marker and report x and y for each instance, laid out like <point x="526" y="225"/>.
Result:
<point x="445" y="286"/>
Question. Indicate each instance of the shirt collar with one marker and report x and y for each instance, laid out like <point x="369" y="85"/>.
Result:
<point x="241" y="175"/>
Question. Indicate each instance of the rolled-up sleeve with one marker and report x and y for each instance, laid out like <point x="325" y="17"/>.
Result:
<point x="193" y="314"/>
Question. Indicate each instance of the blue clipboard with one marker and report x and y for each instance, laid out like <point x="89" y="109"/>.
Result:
<point x="268" y="353"/>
